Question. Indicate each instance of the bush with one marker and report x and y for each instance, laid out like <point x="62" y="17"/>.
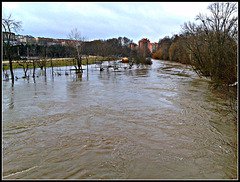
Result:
<point x="148" y="61"/>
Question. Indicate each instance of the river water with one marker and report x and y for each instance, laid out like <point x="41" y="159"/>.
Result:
<point x="154" y="122"/>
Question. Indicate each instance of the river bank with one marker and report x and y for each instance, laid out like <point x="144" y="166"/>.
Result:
<point x="229" y="92"/>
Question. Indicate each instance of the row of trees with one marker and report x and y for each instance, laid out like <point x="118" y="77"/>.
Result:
<point x="210" y="45"/>
<point x="115" y="46"/>
<point x="110" y="47"/>
<point x="33" y="50"/>
<point x="173" y="49"/>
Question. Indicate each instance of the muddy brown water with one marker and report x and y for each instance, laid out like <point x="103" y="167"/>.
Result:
<point x="155" y="122"/>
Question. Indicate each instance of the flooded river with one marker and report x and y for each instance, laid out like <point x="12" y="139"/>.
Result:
<point x="155" y="122"/>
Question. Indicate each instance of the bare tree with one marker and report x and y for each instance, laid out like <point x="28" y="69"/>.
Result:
<point x="213" y="43"/>
<point x="43" y="55"/>
<point x="9" y="26"/>
<point x="25" y="64"/>
<point x="77" y="43"/>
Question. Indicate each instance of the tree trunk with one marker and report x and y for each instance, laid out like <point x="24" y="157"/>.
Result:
<point x="45" y="69"/>
<point x="10" y="63"/>
<point x="11" y="69"/>
<point x="52" y="66"/>
<point x="87" y="62"/>
<point x="25" y="73"/>
<point x="79" y="63"/>
<point x="33" y="68"/>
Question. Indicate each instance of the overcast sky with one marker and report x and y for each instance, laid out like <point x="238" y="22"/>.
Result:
<point x="104" y="20"/>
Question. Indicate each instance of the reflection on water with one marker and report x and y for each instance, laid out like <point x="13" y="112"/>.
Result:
<point x="153" y="122"/>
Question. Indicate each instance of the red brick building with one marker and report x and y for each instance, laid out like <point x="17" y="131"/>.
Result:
<point x="144" y="44"/>
<point x="133" y="46"/>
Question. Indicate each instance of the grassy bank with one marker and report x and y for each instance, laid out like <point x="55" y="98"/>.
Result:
<point x="56" y="62"/>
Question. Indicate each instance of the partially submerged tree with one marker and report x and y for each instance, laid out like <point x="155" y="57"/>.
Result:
<point x="33" y="54"/>
<point x="9" y="26"/>
<point x="25" y="63"/>
<point x="43" y="55"/>
<point x="77" y="43"/>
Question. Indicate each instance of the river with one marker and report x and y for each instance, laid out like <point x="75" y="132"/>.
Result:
<point x="154" y="122"/>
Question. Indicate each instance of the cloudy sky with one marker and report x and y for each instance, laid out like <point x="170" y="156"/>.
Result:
<point x="104" y="20"/>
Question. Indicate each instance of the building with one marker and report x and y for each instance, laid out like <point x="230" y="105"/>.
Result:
<point x="28" y="39"/>
<point x="19" y="39"/>
<point x="44" y="41"/>
<point x="57" y="42"/>
<point x="9" y="36"/>
<point x="133" y="46"/>
<point x="144" y="44"/>
<point x="154" y="47"/>
<point x="65" y="42"/>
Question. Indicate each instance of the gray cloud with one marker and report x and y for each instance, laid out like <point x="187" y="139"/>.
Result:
<point x="98" y="20"/>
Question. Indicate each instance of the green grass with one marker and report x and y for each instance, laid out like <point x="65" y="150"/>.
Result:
<point x="57" y="62"/>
